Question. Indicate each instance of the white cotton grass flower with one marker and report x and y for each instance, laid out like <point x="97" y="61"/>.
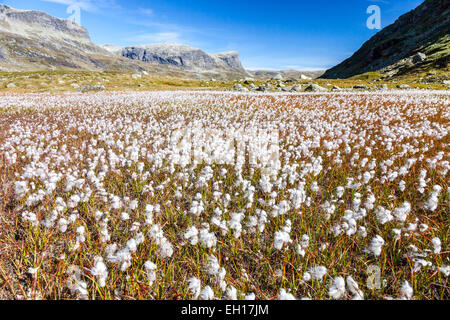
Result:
<point x="98" y="215"/>
<point x="306" y="276"/>
<point x="123" y="256"/>
<point x="100" y="271"/>
<point x="74" y="200"/>
<point x="340" y="191"/>
<point x="150" y="269"/>
<point x="337" y="289"/>
<point x="104" y="233"/>
<point x="75" y="284"/>
<point x="397" y="234"/>
<point x="375" y="245"/>
<point x="401" y="213"/>
<point x="303" y="245"/>
<point x="383" y="215"/>
<point x="362" y="232"/>
<point x="221" y="278"/>
<point x="445" y="270"/>
<point x="165" y="248"/>
<point x="432" y="203"/>
<point x="250" y="296"/>
<point x="436" y="243"/>
<point x="423" y="227"/>
<point x="316" y="273"/>
<point x="80" y="238"/>
<point x="149" y="214"/>
<point x="406" y="292"/>
<point x="235" y="224"/>
<point x="297" y="197"/>
<point x="195" y="287"/>
<point x="231" y="293"/>
<point x="207" y="293"/>
<point x="20" y="188"/>
<point x="124" y="216"/>
<point x="283" y="295"/>
<point x="132" y="245"/>
<point x="421" y="263"/>
<point x="207" y="239"/>
<point x="213" y="265"/>
<point x="353" y="287"/>
<point x="265" y="184"/>
<point x="282" y="237"/>
<point x="411" y="227"/>
<point x="191" y="235"/>
<point x="30" y="217"/>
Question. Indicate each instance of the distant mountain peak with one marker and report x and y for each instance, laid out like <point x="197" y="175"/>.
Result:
<point x="182" y="55"/>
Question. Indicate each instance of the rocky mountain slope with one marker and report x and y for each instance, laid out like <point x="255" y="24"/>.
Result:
<point x="34" y="40"/>
<point x="419" y="40"/>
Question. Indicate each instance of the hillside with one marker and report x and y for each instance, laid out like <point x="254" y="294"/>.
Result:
<point x="418" y="41"/>
<point x="33" y="40"/>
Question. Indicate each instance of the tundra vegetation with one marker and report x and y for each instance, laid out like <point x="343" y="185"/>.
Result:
<point x="103" y="198"/>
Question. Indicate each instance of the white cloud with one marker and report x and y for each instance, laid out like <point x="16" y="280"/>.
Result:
<point x="155" y="37"/>
<point x="304" y="68"/>
<point x="146" y="11"/>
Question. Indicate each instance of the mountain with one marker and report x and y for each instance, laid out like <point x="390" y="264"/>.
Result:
<point x="418" y="40"/>
<point x="180" y="55"/>
<point x="34" y="40"/>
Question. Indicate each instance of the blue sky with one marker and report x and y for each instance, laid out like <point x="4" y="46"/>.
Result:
<point x="301" y="34"/>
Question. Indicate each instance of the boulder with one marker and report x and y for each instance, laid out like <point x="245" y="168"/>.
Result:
<point x="296" y="88"/>
<point x="315" y="88"/>
<point x="240" y="87"/>
<point x="403" y="86"/>
<point x="10" y="85"/>
<point x="90" y="88"/>
<point x="419" y="57"/>
<point x="277" y="77"/>
<point x="336" y="88"/>
<point x="303" y="77"/>
<point x="360" y="87"/>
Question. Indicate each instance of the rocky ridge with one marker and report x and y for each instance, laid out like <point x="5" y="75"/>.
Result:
<point x="418" y="40"/>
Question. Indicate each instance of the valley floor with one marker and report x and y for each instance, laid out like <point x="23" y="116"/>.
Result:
<point x="74" y="81"/>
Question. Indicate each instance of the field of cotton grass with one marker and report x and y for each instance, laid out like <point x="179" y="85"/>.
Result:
<point x="203" y="195"/>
